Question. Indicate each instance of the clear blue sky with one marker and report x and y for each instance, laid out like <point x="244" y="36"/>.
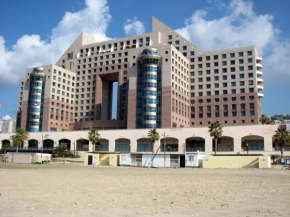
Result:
<point x="34" y="17"/>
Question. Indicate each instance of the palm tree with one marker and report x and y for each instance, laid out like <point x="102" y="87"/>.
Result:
<point x="216" y="131"/>
<point x="94" y="137"/>
<point x="153" y="136"/>
<point x="282" y="137"/>
<point x="264" y="119"/>
<point x="20" y="136"/>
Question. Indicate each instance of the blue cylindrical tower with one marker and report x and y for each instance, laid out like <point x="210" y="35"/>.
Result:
<point x="148" y="85"/>
<point x="35" y="103"/>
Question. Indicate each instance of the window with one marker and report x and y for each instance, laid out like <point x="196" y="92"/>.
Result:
<point x="241" y="54"/>
<point x="250" y="67"/>
<point x="251" y="75"/>
<point x="241" y="61"/>
<point x="216" y="78"/>
<point x="207" y="64"/>
<point x="224" y="56"/>
<point x="184" y="47"/>
<point x="249" y="52"/>
<point x="191" y="53"/>
<point x="199" y="65"/>
<point x="250" y="60"/>
<point x="241" y="68"/>
<point x="199" y="58"/>
<point x="169" y="36"/>
<point x="233" y="84"/>
<point x="177" y="42"/>
<point x="216" y="85"/>
<point x="233" y="76"/>
<point x="207" y="57"/>
<point x="215" y="57"/>
<point x="251" y="90"/>
<point x="225" y="77"/>
<point x="234" y="91"/>
<point x="233" y="62"/>
<point x="242" y="75"/>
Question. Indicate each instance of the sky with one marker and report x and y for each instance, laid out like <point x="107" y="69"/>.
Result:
<point x="35" y="32"/>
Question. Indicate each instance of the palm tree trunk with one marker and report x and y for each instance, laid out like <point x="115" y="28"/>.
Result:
<point x="282" y="151"/>
<point x="215" y="146"/>
<point x="155" y="155"/>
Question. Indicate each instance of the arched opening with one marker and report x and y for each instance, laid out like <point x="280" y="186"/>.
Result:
<point x="65" y="143"/>
<point x="144" y="145"/>
<point x="122" y="145"/>
<point x="48" y="144"/>
<point x="82" y="145"/>
<point x="252" y="143"/>
<point x="194" y="144"/>
<point x="5" y="143"/>
<point x="171" y="144"/>
<point x="224" y="144"/>
<point x="32" y="144"/>
<point x="103" y="145"/>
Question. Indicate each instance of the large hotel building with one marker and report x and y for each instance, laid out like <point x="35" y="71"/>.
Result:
<point x="164" y="81"/>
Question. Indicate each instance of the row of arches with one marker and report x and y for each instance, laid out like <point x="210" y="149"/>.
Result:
<point x="192" y="144"/>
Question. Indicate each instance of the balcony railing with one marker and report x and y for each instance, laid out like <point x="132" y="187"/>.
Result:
<point x="259" y="148"/>
<point x="195" y="149"/>
<point x="286" y="148"/>
<point x="224" y="149"/>
<point x="29" y="149"/>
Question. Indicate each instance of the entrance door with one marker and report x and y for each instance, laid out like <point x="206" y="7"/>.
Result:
<point x="90" y="160"/>
<point x="182" y="160"/>
<point x="189" y="160"/>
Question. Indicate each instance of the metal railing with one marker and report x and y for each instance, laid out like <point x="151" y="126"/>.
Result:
<point x="286" y="148"/>
<point x="195" y="149"/>
<point x="29" y="149"/>
<point x="224" y="149"/>
<point x="259" y="148"/>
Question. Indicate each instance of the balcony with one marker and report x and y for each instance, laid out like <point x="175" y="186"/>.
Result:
<point x="259" y="73"/>
<point x="261" y="95"/>
<point x="260" y="88"/>
<point x="259" y="66"/>
<point x="258" y="59"/>
<point x="260" y="80"/>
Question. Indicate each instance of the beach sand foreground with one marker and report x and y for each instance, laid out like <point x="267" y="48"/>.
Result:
<point x="75" y="190"/>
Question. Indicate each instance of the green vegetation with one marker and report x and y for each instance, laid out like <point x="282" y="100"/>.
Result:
<point x="61" y="151"/>
<point x="20" y="136"/>
<point x="282" y="138"/>
<point x="264" y="119"/>
<point x="274" y="157"/>
<point x="94" y="137"/>
<point x="216" y="131"/>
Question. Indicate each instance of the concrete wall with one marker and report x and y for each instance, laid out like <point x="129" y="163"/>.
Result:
<point x="230" y="162"/>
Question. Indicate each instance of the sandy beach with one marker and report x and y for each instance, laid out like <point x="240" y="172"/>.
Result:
<point x="75" y="190"/>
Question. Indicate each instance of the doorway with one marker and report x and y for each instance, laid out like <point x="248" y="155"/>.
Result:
<point x="182" y="160"/>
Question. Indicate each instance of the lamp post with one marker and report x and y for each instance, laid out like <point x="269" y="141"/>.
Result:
<point x="247" y="148"/>
<point x="164" y="147"/>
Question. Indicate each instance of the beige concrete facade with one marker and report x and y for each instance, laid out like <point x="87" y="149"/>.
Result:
<point x="177" y="140"/>
<point x="197" y="88"/>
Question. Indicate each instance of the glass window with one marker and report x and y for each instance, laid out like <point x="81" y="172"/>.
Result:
<point x="232" y="54"/>
<point x="249" y="52"/>
<point x="224" y="56"/>
<point x="241" y="54"/>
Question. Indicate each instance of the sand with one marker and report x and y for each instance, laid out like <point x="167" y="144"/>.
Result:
<point x="75" y="190"/>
